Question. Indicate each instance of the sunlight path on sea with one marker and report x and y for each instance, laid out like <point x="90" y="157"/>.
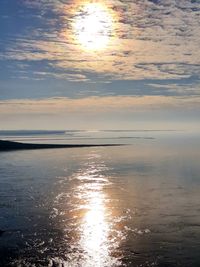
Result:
<point x="95" y="229"/>
<point x="93" y="237"/>
<point x="95" y="225"/>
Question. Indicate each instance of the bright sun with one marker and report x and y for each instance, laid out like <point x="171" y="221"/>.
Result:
<point x="93" y="27"/>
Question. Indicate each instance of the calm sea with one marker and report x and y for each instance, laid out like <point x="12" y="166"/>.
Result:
<point x="136" y="205"/>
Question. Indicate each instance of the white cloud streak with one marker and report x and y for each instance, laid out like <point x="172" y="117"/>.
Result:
<point x="98" y="104"/>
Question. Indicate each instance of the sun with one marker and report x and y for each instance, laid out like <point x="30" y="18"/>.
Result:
<point x="93" y="26"/>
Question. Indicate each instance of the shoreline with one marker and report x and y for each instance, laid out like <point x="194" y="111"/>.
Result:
<point x="10" y="146"/>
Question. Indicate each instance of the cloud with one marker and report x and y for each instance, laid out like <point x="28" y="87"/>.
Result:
<point x="100" y="105"/>
<point x="150" y="39"/>
<point x="151" y="65"/>
<point x="178" y="89"/>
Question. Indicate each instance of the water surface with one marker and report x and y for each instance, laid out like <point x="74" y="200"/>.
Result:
<point x="135" y="205"/>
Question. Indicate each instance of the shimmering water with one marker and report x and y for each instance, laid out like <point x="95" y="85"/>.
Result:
<point x="134" y="205"/>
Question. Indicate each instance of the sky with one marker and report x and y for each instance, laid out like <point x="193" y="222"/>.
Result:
<point x="115" y="64"/>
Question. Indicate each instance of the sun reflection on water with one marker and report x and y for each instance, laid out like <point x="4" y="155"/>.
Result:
<point x="92" y="226"/>
<point x="95" y="232"/>
<point x="95" y="225"/>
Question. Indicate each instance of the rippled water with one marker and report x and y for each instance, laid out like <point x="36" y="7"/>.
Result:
<point x="135" y="205"/>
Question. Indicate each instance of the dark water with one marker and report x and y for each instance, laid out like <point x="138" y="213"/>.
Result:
<point x="135" y="205"/>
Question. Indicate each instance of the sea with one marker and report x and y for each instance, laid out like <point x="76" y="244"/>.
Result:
<point x="133" y="205"/>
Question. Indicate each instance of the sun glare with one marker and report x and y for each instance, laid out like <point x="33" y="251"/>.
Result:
<point x="93" y="26"/>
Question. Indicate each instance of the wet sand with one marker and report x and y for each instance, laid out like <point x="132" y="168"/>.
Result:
<point x="9" y="146"/>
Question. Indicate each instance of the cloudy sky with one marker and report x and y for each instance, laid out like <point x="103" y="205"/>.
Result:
<point x="71" y="64"/>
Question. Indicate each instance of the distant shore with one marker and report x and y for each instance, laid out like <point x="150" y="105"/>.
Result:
<point x="10" y="145"/>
